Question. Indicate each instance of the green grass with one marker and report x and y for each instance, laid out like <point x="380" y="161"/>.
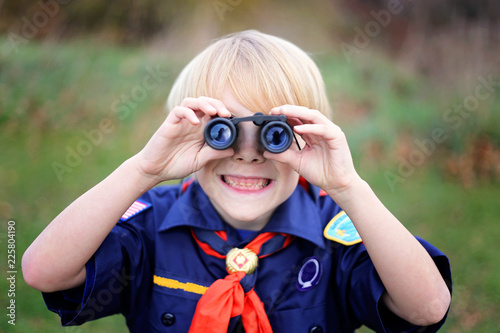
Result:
<point x="463" y="223"/>
<point x="52" y="94"/>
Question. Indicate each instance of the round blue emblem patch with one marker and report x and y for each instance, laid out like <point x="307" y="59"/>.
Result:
<point x="309" y="274"/>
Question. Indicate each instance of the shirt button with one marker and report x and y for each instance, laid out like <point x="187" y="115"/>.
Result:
<point x="167" y="319"/>
<point x="316" y="329"/>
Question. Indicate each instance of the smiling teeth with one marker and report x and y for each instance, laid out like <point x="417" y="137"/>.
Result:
<point x="246" y="183"/>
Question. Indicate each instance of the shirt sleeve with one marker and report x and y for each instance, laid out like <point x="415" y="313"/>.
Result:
<point x="118" y="276"/>
<point x="95" y="299"/>
<point x="363" y="291"/>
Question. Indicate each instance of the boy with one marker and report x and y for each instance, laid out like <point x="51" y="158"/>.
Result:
<point x="293" y="241"/>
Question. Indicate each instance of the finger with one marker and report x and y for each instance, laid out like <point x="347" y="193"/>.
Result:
<point x="325" y="131"/>
<point x="179" y="113"/>
<point x="302" y="113"/>
<point x="208" y="154"/>
<point x="207" y="105"/>
<point x="289" y="157"/>
<point x="198" y="104"/>
<point x="221" y="108"/>
<point x="321" y="135"/>
<point x="294" y="121"/>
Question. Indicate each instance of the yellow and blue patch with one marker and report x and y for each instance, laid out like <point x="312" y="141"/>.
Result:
<point x="341" y="230"/>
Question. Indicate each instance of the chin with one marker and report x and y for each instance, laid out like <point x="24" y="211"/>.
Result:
<point x="247" y="219"/>
<point x="242" y="217"/>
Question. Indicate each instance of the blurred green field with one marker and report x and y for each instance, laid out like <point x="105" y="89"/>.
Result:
<point x="71" y="113"/>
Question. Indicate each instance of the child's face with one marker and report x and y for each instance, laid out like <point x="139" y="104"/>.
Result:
<point x="246" y="188"/>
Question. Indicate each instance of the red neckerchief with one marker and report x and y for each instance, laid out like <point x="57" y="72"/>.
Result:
<point x="226" y="298"/>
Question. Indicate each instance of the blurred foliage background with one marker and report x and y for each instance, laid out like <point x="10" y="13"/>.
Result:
<point x="415" y="86"/>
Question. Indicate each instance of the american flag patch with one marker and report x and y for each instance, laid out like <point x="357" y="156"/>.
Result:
<point x="137" y="207"/>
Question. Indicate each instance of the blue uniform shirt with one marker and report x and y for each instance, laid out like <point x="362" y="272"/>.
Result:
<point x="151" y="270"/>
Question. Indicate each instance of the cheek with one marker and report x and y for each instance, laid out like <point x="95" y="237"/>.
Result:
<point x="208" y="170"/>
<point x="290" y="180"/>
<point x="206" y="178"/>
<point x="286" y="172"/>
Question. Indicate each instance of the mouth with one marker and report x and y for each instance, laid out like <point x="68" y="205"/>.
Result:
<point x="246" y="184"/>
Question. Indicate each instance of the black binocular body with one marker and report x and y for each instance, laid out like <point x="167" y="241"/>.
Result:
<point x="276" y="135"/>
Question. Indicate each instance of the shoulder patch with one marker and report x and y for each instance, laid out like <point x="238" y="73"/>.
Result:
<point x="341" y="230"/>
<point x="137" y="207"/>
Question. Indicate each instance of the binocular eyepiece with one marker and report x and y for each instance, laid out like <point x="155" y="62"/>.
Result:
<point x="275" y="133"/>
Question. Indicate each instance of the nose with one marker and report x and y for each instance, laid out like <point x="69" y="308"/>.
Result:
<point x="247" y="148"/>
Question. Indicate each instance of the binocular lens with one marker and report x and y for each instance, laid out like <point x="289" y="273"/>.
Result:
<point x="220" y="134"/>
<point x="276" y="137"/>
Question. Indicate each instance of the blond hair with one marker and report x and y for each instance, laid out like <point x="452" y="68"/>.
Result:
<point x="262" y="72"/>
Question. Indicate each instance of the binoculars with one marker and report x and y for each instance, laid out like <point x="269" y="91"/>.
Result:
<point x="275" y="134"/>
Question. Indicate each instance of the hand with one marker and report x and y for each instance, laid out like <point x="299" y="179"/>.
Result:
<point x="325" y="160"/>
<point x="178" y="147"/>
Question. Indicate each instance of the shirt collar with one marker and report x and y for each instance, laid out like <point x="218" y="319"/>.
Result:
<point x="297" y="216"/>
<point x="193" y="209"/>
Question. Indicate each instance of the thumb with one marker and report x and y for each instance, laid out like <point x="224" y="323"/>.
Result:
<point x="207" y="154"/>
<point x="289" y="157"/>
